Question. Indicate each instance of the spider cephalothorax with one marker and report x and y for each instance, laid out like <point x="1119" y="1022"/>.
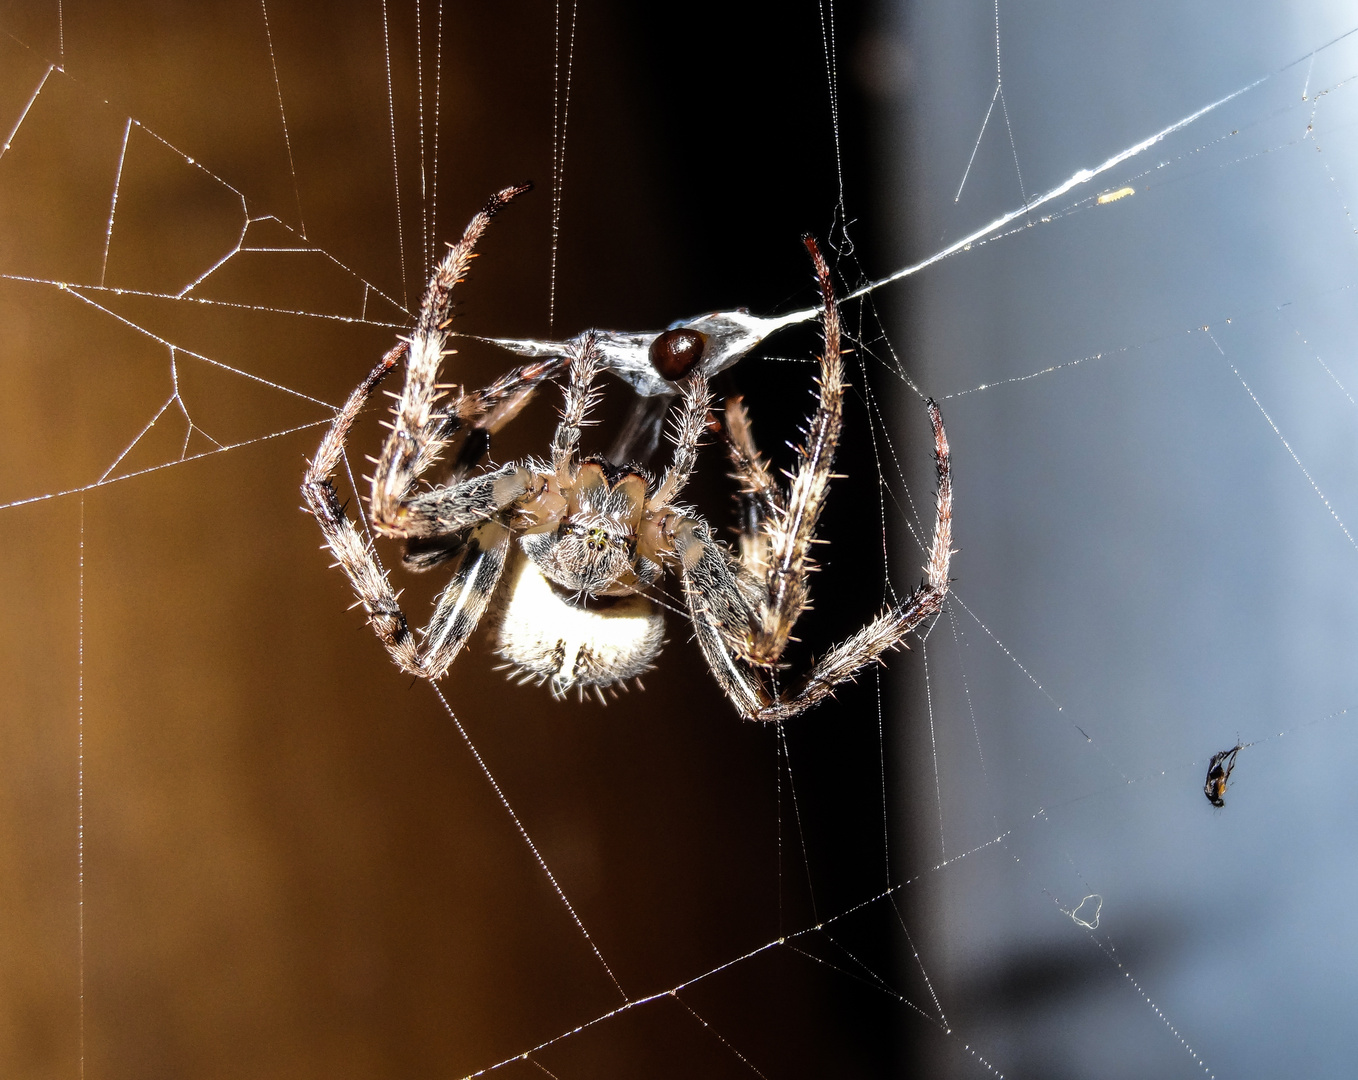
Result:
<point x="595" y="547"/>
<point x="567" y="554"/>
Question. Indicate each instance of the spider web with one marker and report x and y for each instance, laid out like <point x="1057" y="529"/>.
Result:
<point x="236" y="841"/>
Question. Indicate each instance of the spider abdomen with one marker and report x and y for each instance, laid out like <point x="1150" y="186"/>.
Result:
<point x="550" y="637"/>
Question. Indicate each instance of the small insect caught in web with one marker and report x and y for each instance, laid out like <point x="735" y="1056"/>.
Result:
<point x="1218" y="774"/>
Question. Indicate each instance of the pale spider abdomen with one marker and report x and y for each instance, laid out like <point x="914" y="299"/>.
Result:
<point x="550" y="637"/>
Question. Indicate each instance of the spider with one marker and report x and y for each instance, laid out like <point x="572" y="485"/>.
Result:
<point x="1218" y="773"/>
<point x="565" y="553"/>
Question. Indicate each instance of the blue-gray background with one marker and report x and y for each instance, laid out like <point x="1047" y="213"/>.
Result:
<point x="1133" y="530"/>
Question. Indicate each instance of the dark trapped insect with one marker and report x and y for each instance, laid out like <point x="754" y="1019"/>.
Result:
<point x="564" y="555"/>
<point x="1218" y="773"/>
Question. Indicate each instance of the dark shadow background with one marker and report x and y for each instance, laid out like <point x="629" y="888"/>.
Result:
<point x="292" y="865"/>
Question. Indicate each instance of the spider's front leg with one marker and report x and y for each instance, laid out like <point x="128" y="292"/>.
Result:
<point x="789" y="525"/>
<point x="472" y="516"/>
<point x="481" y="502"/>
<point x="420" y="433"/>
<point x="353" y="553"/>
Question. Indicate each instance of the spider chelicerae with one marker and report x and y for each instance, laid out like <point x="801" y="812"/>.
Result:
<point x="567" y="553"/>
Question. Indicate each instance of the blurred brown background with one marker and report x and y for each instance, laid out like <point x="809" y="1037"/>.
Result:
<point x="292" y="863"/>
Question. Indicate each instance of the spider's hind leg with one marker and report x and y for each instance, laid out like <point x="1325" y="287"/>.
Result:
<point x="718" y="594"/>
<point x="888" y="631"/>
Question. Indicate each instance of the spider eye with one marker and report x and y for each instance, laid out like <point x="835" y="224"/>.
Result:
<point x="675" y="352"/>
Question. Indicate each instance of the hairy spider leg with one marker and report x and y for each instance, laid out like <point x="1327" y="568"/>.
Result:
<point x="791" y="528"/>
<point x="481" y="509"/>
<point x="759" y="497"/>
<point x="475" y="506"/>
<point x="580" y="398"/>
<point x="688" y="433"/>
<point x="418" y="436"/>
<point x="487" y="410"/>
<point x="743" y="640"/>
